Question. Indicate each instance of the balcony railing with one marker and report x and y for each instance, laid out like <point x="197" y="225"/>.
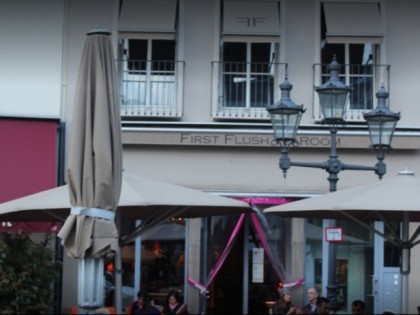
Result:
<point x="365" y="81"/>
<point x="242" y="90"/>
<point x="151" y="88"/>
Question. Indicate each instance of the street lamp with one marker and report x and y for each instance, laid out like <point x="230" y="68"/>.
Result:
<point x="333" y="97"/>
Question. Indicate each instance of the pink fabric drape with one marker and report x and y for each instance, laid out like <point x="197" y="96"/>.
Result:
<point x="258" y="228"/>
<point x="213" y="273"/>
<point x="267" y="249"/>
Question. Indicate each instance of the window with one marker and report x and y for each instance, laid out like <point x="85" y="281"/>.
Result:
<point x="247" y="76"/>
<point x="150" y="75"/>
<point x="357" y="49"/>
<point x="357" y="70"/>
<point x="392" y="254"/>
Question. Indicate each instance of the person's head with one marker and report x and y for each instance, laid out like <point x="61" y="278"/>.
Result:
<point x="173" y="297"/>
<point x="142" y="298"/>
<point x="312" y="294"/>
<point x="358" y="307"/>
<point x="285" y="295"/>
<point x="323" y="305"/>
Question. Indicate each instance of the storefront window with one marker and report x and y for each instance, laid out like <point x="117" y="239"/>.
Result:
<point x="163" y="260"/>
<point x="392" y="253"/>
<point x="354" y="262"/>
<point x="161" y="264"/>
<point x="277" y="233"/>
<point x="224" y="293"/>
<point x="256" y="271"/>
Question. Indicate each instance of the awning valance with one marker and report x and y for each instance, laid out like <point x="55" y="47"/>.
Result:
<point x="148" y="16"/>
<point x="251" y="18"/>
<point x="353" y="22"/>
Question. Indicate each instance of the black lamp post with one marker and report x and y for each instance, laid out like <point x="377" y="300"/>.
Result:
<point x="333" y="96"/>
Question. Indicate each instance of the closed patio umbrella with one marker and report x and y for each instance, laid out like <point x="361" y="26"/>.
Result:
<point x="94" y="167"/>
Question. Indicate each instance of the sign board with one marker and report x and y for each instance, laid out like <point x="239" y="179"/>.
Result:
<point x="334" y="234"/>
<point x="258" y="265"/>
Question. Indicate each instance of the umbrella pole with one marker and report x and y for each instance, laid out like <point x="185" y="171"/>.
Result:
<point x="203" y="264"/>
<point x="118" y="272"/>
<point x="90" y="291"/>
<point x="405" y="264"/>
<point x="118" y="281"/>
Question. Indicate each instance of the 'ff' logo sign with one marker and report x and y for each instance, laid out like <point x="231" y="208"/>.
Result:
<point x="251" y="21"/>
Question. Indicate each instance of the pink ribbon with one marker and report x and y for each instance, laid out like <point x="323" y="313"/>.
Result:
<point x="296" y="283"/>
<point x="197" y="285"/>
<point x="279" y="273"/>
<point x="220" y="261"/>
<point x="228" y="247"/>
<point x="265" y="201"/>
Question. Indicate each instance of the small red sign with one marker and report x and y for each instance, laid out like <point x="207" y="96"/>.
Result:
<point x="334" y="234"/>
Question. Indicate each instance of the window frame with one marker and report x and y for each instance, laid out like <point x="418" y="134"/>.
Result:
<point x="276" y="71"/>
<point x="246" y="22"/>
<point x="380" y="71"/>
<point x="249" y="72"/>
<point x="148" y="106"/>
<point x="380" y="75"/>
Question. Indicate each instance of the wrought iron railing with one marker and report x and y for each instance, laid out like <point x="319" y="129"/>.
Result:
<point x="245" y="89"/>
<point x="241" y="90"/>
<point x="151" y="88"/>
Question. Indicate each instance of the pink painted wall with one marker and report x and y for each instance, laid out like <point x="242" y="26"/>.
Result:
<point x="28" y="156"/>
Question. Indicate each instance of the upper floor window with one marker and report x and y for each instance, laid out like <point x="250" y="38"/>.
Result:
<point x="248" y="72"/>
<point x="357" y="46"/>
<point x="248" y="75"/>
<point x="358" y="70"/>
<point x="150" y="75"/>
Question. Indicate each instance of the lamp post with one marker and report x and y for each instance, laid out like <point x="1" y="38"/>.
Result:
<point x="333" y="96"/>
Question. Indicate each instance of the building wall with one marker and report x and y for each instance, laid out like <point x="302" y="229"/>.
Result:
<point x="41" y="50"/>
<point x="31" y="37"/>
<point x="401" y="54"/>
<point x="198" y="60"/>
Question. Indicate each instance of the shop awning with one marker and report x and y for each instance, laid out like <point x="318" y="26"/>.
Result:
<point x="156" y="16"/>
<point x="353" y="22"/>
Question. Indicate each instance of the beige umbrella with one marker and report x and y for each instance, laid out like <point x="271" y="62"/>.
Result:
<point x="392" y="199"/>
<point x="389" y="198"/>
<point x="95" y="153"/>
<point x="94" y="168"/>
<point x="141" y="198"/>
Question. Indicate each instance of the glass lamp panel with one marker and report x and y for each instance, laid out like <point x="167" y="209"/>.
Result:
<point x="381" y="132"/>
<point x="333" y="103"/>
<point x="285" y="125"/>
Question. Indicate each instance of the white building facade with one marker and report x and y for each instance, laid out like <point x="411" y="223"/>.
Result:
<point x="195" y="79"/>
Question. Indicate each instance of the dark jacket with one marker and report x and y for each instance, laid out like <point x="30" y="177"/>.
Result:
<point x="177" y="310"/>
<point x="307" y="309"/>
<point x="134" y="308"/>
<point x="281" y="308"/>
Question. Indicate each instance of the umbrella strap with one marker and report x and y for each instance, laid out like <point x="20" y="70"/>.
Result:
<point x="94" y="212"/>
